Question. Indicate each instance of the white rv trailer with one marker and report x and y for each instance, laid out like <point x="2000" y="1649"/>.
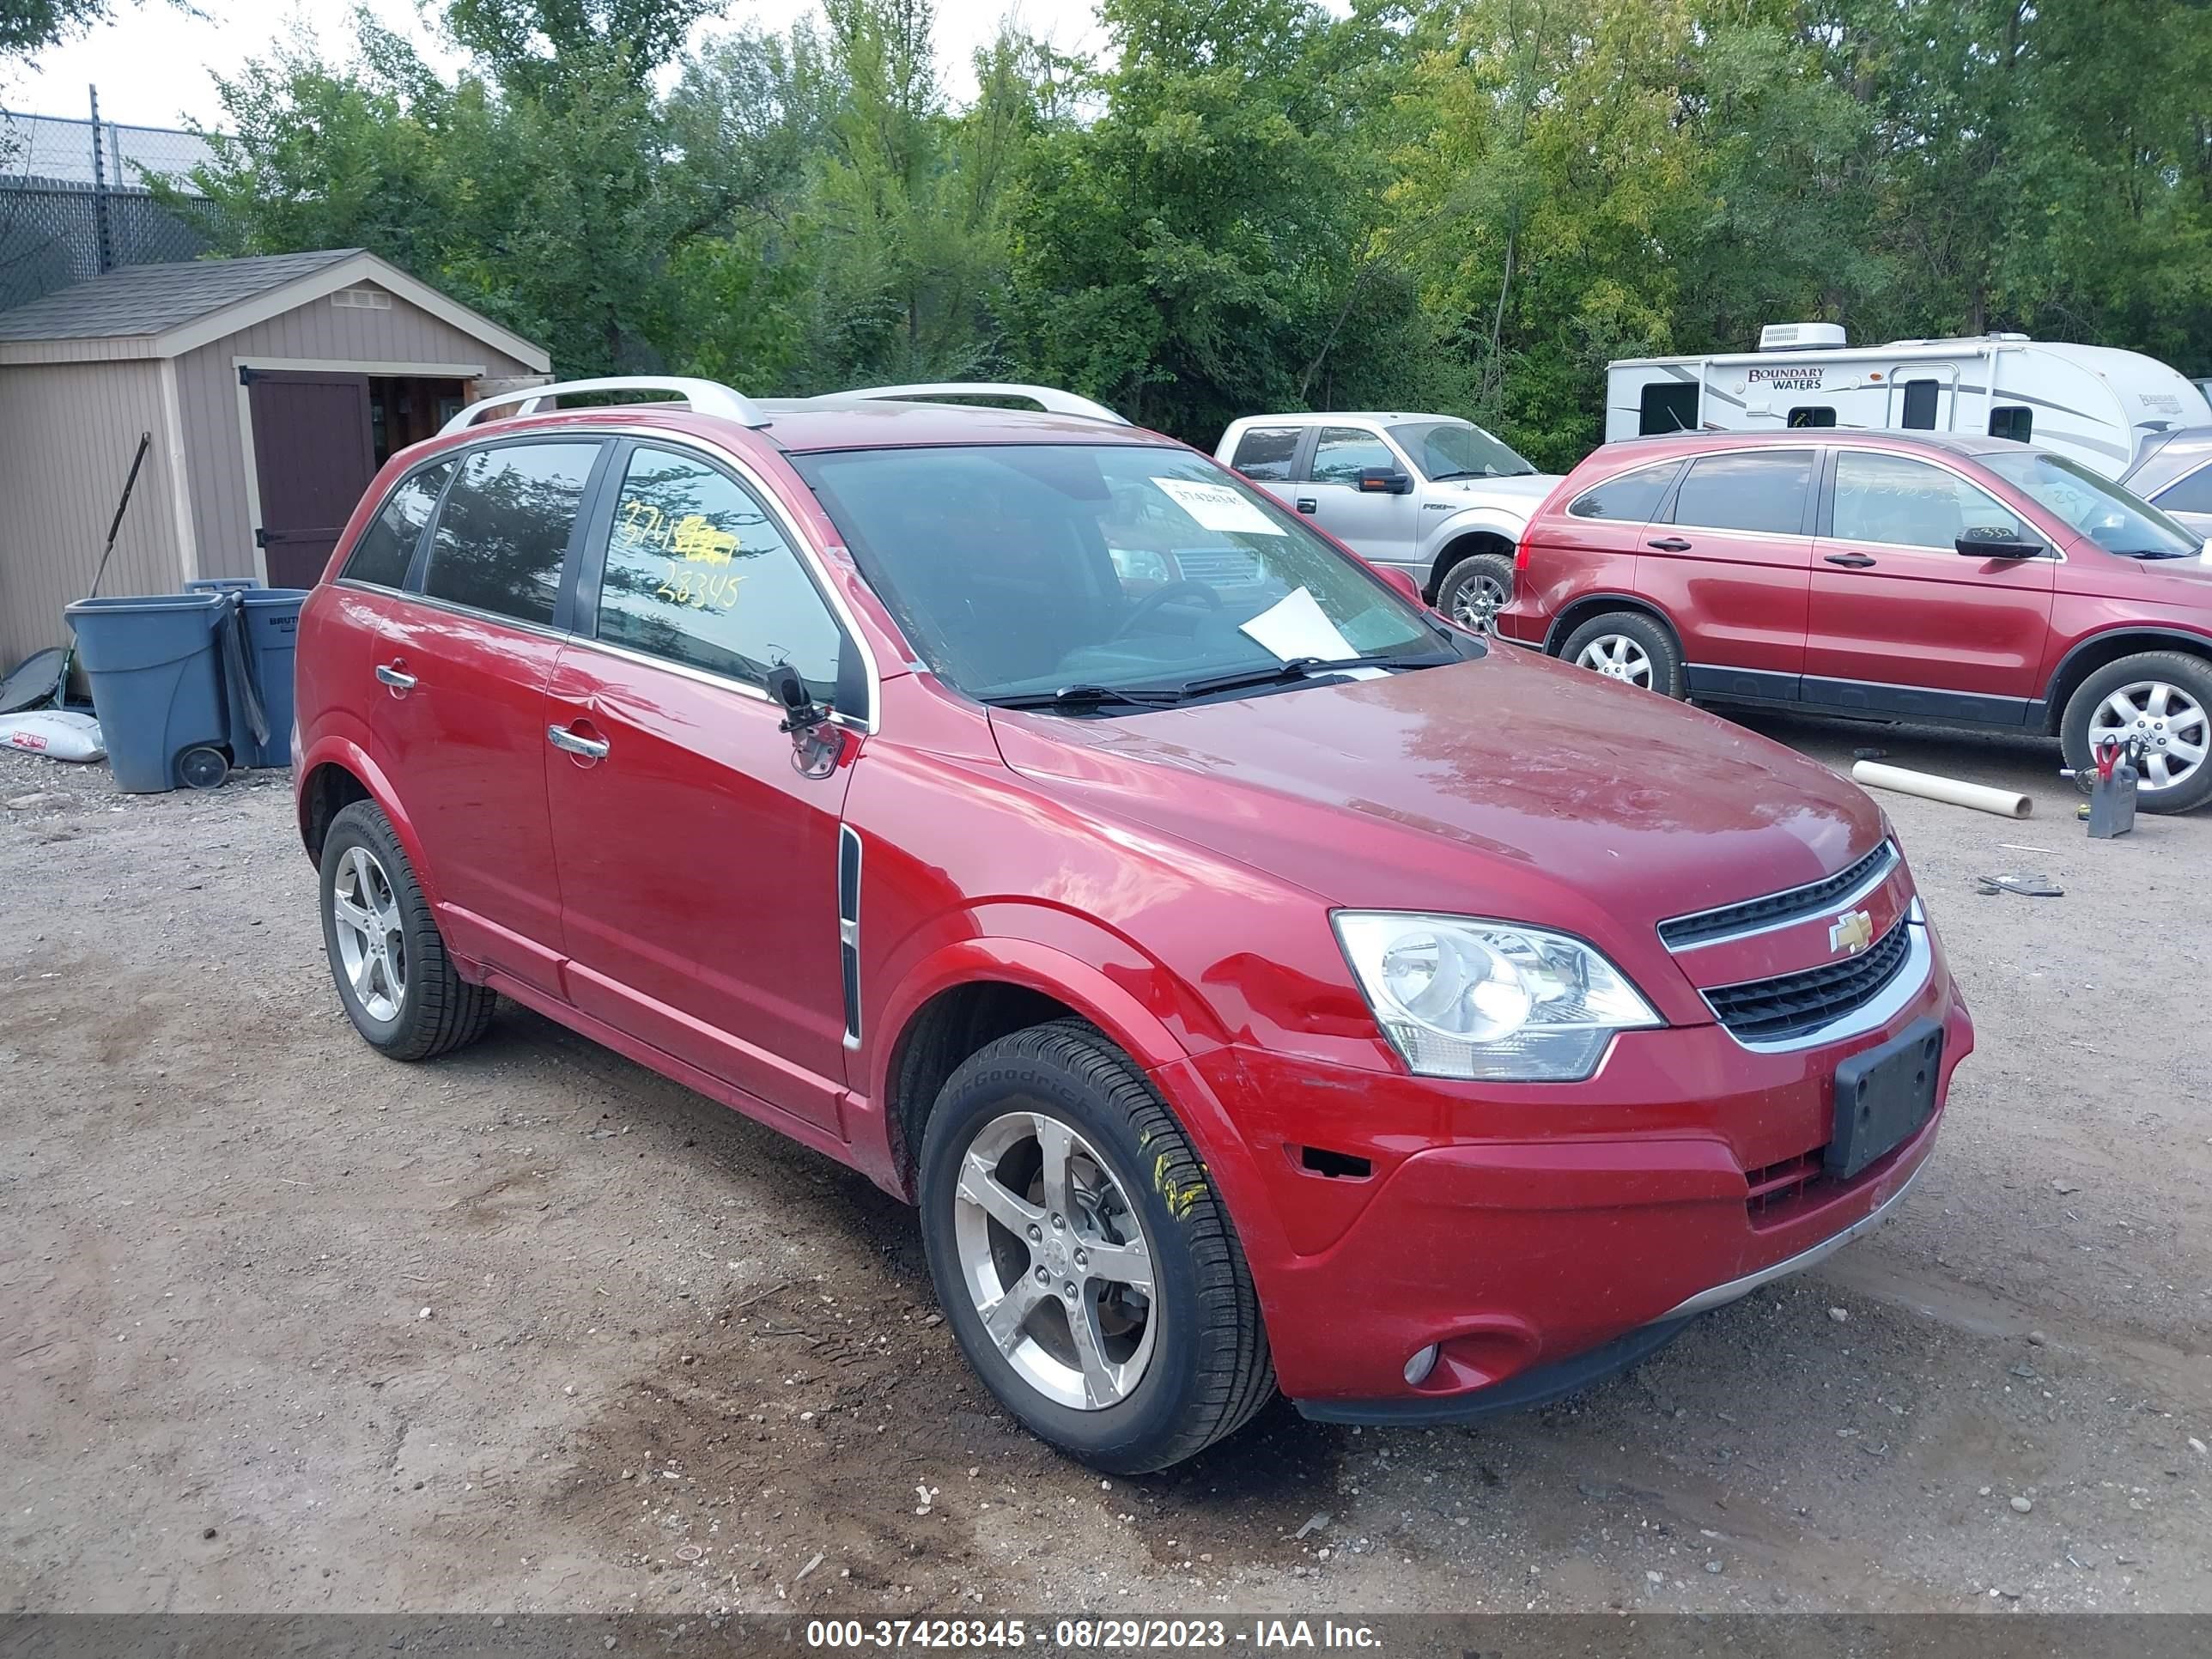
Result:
<point x="2095" y="403"/>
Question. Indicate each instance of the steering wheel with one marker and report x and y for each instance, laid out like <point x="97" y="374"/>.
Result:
<point x="1152" y="601"/>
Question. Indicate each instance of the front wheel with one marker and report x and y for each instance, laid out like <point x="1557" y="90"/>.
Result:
<point x="1090" y="1273"/>
<point x="1475" y="589"/>
<point x="2161" y="699"/>
<point x="1632" y="648"/>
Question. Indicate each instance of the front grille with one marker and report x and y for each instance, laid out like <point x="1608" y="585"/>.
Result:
<point x="1776" y="1191"/>
<point x="1794" y="905"/>
<point x="1770" y="1010"/>
<point x="1218" y="567"/>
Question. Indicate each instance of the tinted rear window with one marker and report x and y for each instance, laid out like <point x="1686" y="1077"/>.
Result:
<point x="1762" y="490"/>
<point x="2192" y="493"/>
<point x="503" y="536"/>
<point x="1632" y="497"/>
<point x="387" y="547"/>
<point x="1265" y="451"/>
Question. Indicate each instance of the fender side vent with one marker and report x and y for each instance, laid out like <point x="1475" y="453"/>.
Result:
<point x="848" y="927"/>
<point x="1337" y="1166"/>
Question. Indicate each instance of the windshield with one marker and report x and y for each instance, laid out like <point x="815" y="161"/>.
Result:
<point x="1452" y="449"/>
<point x="1024" y="569"/>
<point x="2107" y="514"/>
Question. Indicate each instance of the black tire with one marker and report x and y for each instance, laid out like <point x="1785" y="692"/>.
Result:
<point x="2191" y="676"/>
<point x="1485" y="582"/>
<point x="438" y="1010"/>
<point x="1209" y="1370"/>
<point x="1655" y="639"/>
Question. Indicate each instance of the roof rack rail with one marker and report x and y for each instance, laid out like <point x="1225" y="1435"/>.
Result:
<point x="706" y="397"/>
<point x="1049" y="398"/>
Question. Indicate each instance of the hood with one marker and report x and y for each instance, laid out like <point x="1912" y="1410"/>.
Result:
<point x="1518" y="498"/>
<point x="1510" y="786"/>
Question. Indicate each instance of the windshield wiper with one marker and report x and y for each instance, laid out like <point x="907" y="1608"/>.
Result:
<point x="1487" y="472"/>
<point x="1085" y="697"/>
<point x="1300" y="668"/>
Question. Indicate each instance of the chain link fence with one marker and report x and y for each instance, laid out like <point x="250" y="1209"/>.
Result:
<point x="74" y="201"/>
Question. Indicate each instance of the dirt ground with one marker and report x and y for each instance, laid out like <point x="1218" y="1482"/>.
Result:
<point x="290" y="1327"/>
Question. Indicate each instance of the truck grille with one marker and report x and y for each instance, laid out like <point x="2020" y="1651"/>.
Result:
<point x="1790" y="1004"/>
<point x="1777" y="909"/>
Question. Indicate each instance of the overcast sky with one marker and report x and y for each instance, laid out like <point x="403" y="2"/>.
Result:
<point x="154" y="65"/>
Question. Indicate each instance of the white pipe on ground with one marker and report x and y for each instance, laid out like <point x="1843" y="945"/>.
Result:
<point x="2003" y="802"/>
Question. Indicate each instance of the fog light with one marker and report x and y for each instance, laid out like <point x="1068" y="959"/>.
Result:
<point x="1418" y="1367"/>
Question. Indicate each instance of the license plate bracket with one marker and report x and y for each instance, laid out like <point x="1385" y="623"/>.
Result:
<point x="1883" y="1096"/>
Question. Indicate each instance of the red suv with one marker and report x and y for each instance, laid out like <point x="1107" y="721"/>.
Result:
<point x="1964" y="580"/>
<point x="1253" y="979"/>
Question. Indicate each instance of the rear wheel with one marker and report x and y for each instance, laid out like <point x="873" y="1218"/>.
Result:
<point x="395" y="980"/>
<point x="1089" y="1271"/>
<point x="1629" y="646"/>
<point x="1474" y="590"/>
<point x="2161" y="699"/>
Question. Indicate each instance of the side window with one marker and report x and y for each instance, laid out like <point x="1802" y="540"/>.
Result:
<point x="2012" y="422"/>
<point x="1760" y="490"/>
<point x="1908" y="503"/>
<point x="1341" y="451"/>
<point x="1264" y="453"/>
<point x="697" y="573"/>
<point x="2192" y="493"/>
<point x="387" y="547"/>
<point x="1920" y="404"/>
<point x="1632" y="497"/>
<point x="1811" y="415"/>
<point x="503" y="534"/>
<point x="1668" y="406"/>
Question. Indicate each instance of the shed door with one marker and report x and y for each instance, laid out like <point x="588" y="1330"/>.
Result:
<point x="314" y="455"/>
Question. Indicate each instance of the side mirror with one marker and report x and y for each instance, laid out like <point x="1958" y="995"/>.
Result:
<point x="816" y="746"/>
<point x="1384" y="480"/>
<point x="1407" y="587"/>
<point x="1992" y="545"/>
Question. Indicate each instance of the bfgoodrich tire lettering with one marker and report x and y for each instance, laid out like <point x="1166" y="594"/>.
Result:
<point x="402" y="993"/>
<point x="1207" y="1369"/>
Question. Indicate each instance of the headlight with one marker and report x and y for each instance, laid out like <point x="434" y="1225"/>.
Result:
<point x="1488" y="1000"/>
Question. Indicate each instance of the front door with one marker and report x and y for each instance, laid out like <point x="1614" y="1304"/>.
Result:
<point x="1902" y="623"/>
<point x="314" y="451"/>
<point x="698" y="866"/>
<point x="1729" y="560"/>
<point x="1375" y="524"/>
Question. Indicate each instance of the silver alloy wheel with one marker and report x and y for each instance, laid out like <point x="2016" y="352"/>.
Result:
<point x="2171" y="724"/>
<point x="1618" y="657"/>
<point x="371" y="944"/>
<point x="1056" y="1258"/>
<point x="1475" y="604"/>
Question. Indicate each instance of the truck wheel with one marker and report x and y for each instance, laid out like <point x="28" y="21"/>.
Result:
<point x="1090" y="1273"/>
<point x="1629" y="646"/>
<point x="2163" y="698"/>
<point x="1474" y="590"/>
<point x="397" y="985"/>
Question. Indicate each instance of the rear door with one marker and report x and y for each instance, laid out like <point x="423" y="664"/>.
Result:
<point x="1376" y="525"/>
<point x="1904" y="624"/>
<point x="314" y="452"/>
<point x="1729" y="559"/>
<point x="460" y="702"/>
<point x="699" y="868"/>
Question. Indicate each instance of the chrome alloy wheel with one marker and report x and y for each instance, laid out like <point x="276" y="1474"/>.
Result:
<point x="1617" y="657"/>
<point x="2171" y="724"/>
<point x="371" y="941"/>
<point x="1475" y="604"/>
<point x="1054" y="1256"/>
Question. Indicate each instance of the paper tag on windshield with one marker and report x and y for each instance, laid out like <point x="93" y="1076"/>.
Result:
<point x="1297" y="626"/>
<point x="1217" y="506"/>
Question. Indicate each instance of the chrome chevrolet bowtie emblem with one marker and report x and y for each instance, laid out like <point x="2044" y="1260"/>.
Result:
<point x="1851" y="933"/>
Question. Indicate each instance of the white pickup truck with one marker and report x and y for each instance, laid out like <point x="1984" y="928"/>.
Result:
<point x="1436" y="497"/>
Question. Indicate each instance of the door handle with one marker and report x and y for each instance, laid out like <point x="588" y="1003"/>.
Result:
<point x="1670" y="544"/>
<point x="1308" y="504"/>
<point x="590" y="747"/>
<point x="395" y="677"/>
<point x="1848" y="560"/>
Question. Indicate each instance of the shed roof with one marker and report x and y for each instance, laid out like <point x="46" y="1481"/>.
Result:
<point x="154" y="298"/>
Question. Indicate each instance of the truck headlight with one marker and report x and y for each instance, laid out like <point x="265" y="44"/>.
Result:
<point x="1490" y="1001"/>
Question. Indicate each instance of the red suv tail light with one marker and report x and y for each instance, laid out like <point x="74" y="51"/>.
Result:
<point x="1521" y="555"/>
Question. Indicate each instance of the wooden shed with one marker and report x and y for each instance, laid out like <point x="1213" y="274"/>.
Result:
<point x="273" y="388"/>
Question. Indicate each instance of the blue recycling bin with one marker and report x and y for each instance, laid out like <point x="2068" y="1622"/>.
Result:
<point x="269" y="619"/>
<point x="156" y="686"/>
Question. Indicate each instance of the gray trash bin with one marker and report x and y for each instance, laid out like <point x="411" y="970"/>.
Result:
<point x="257" y="670"/>
<point x="156" y="687"/>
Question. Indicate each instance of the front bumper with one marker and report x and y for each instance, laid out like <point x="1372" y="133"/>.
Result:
<point x="1544" y="1234"/>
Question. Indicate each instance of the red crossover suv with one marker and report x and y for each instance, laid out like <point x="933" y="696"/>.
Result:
<point x="1964" y="580"/>
<point x="1254" y="980"/>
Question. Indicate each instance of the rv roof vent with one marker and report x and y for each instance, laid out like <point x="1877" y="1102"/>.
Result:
<point x="1800" y="336"/>
<point x="2005" y="334"/>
